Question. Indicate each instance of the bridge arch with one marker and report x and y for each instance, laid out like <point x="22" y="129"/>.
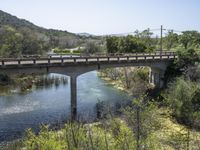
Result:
<point x="74" y="67"/>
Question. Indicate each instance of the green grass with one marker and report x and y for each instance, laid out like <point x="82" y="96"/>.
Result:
<point x="66" y="51"/>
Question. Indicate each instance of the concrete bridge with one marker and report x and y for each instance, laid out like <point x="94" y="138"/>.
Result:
<point x="77" y="65"/>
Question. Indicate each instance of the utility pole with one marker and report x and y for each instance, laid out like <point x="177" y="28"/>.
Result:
<point x="161" y="38"/>
<point x="161" y="32"/>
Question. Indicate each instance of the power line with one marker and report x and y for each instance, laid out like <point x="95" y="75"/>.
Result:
<point x="178" y="31"/>
<point x="148" y="29"/>
<point x="154" y="30"/>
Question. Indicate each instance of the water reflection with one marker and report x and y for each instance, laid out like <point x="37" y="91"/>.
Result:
<point x="30" y="83"/>
<point x="49" y="103"/>
<point x="49" y="81"/>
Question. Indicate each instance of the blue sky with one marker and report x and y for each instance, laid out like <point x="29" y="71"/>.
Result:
<point x="107" y="16"/>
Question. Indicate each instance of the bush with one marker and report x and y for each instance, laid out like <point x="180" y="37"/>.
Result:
<point x="183" y="97"/>
<point x="113" y="134"/>
<point x="61" y="51"/>
<point x="76" y="51"/>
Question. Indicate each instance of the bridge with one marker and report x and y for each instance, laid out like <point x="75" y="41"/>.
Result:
<point x="77" y="65"/>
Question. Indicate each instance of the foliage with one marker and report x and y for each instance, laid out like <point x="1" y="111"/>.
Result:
<point x="18" y="37"/>
<point x="144" y="42"/>
<point x="128" y="44"/>
<point x="186" y="60"/>
<point x="149" y="42"/>
<point x="112" y="44"/>
<point x="14" y="43"/>
<point x="60" y="51"/>
<point x="91" y="48"/>
<point x="183" y="98"/>
<point x="171" y="40"/>
<point x="4" y="79"/>
<point x="189" y="38"/>
<point x="112" y="135"/>
<point x="141" y="116"/>
<point x="134" y="80"/>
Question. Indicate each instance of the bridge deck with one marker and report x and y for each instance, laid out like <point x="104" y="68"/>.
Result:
<point x="60" y="59"/>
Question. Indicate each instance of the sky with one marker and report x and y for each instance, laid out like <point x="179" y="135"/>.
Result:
<point x="102" y="17"/>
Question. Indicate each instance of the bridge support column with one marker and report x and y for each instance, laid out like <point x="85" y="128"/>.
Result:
<point x="73" y="83"/>
<point x="156" y="77"/>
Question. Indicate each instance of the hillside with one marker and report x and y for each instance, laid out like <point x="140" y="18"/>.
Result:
<point x="19" y="36"/>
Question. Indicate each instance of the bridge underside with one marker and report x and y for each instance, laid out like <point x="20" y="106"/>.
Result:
<point x="157" y="70"/>
<point x="76" y="69"/>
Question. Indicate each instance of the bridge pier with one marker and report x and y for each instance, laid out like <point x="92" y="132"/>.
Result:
<point x="75" y="66"/>
<point x="156" y="77"/>
<point x="73" y="88"/>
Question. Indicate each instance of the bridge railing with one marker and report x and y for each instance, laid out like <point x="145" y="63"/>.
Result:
<point x="111" y="54"/>
<point x="61" y="59"/>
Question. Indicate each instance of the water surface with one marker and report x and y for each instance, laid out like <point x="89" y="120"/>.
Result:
<point x="51" y="105"/>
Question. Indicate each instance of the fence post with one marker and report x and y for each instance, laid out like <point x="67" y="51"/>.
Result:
<point x="2" y="62"/>
<point x="128" y="59"/>
<point x="49" y="61"/>
<point x="18" y="61"/>
<point x="62" y="61"/>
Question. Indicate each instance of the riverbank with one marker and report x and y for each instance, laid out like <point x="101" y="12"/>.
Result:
<point x="114" y="83"/>
<point x="111" y="133"/>
<point x="17" y="85"/>
<point x="170" y="132"/>
<point x="52" y="105"/>
<point x="29" y="83"/>
<point x="167" y="137"/>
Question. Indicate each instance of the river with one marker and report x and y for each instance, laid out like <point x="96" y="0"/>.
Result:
<point x="51" y="105"/>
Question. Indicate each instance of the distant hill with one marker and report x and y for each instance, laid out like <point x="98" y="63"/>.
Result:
<point x="7" y="19"/>
<point x="19" y="36"/>
<point x="86" y="34"/>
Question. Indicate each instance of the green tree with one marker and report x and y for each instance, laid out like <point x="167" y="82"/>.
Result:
<point x="11" y="42"/>
<point x="186" y="59"/>
<point x="145" y="37"/>
<point x="112" y="44"/>
<point x="142" y="118"/>
<point x="171" y="40"/>
<point x="183" y="98"/>
<point x="189" y="38"/>
<point x="92" y="47"/>
<point x="128" y="44"/>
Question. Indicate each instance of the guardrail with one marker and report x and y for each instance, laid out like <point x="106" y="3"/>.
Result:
<point x="62" y="59"/>
<point x="92" y="55"/>
<point x="112" y="54"/>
